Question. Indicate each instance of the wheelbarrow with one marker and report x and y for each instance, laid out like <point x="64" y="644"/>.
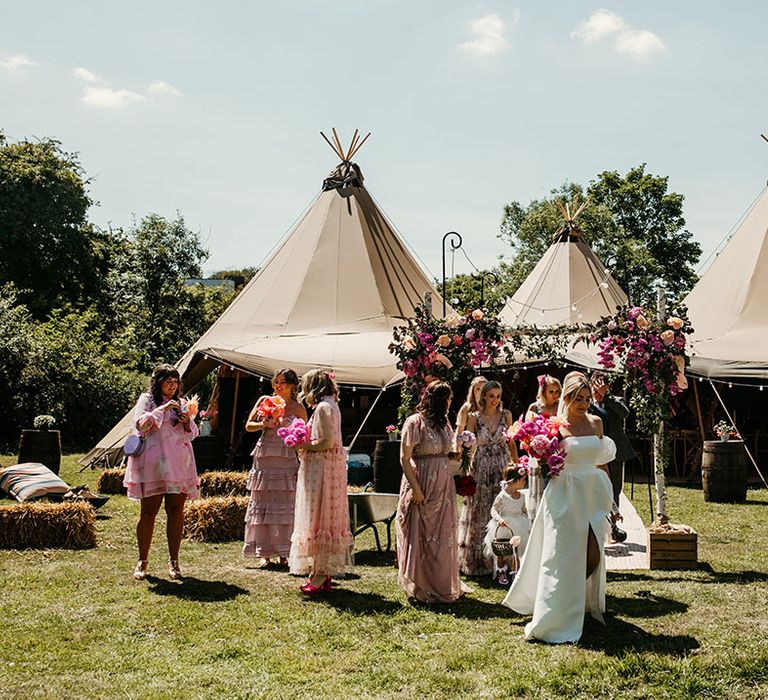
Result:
<point x="367" y="509"/>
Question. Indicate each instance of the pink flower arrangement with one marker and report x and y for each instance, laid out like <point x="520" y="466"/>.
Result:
<point x="296" y="434"/>
<point x="272" y="407"/>
<point x="540" y="438"/>
<point x="465" y="441"/>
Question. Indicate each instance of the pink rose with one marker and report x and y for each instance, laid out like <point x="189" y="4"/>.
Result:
<point x="470" y="334"/>
<point x="675" y="322"/>
<point x="667" y="337"/>
<point x="682" y="380"/>
<point x="457" y="340"/>
<point x="540" y="444"/>
<point x="477" y="315"/>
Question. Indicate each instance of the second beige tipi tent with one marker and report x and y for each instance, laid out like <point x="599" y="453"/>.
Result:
<point x="568" y="286"/>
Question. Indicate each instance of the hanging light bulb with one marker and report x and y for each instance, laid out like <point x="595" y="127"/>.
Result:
<point x="761" y="387"/>
<point x="730" y="385"/>
<point x="604" y="285"/>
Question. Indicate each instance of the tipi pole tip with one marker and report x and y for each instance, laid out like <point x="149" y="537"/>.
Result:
<point x="335" y="150"/>
<point x="765" y="138"/>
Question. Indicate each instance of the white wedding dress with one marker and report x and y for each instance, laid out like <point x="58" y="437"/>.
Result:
<point x="551" y="583"/>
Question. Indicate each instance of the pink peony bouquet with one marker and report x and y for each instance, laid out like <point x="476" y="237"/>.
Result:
<point x="540" y="438"/>
<point x="296" y="434"/>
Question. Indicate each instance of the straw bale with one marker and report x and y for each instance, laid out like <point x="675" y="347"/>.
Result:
<point x="218" y="519"/>
<point x="223" y="484"/>
<point x="41" y="525"/>
<point x="111" y="482"/>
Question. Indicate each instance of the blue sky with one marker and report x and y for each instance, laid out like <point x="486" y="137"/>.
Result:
<point x="214" y="109"/>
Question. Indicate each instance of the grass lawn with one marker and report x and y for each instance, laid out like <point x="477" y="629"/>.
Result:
<point x="75" y="624"/>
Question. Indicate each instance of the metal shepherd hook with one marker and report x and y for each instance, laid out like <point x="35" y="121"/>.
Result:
<point x="454" y="247"/>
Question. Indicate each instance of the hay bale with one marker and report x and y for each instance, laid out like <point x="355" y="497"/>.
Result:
<point x="219" y="519"/>
<point x="39" y="525"/>
<point x="223" y="484"/>
<point x="111" y="481"/>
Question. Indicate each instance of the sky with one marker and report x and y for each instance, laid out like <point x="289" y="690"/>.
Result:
<point x="214" y="109"/>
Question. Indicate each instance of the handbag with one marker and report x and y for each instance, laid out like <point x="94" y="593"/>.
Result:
<point x="134" y="445"/>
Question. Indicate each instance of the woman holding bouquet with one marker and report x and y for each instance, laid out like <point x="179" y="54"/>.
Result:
<point x="491" y="457"/>
<point x="272" y="481"/>
<point x="428" y="565"/>
<point x="569" y="529"/>
<point x="321" y="537"/>
<point x="165" y="469"/>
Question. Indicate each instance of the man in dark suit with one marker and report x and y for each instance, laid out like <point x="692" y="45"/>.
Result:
<point x="613" y="411"/>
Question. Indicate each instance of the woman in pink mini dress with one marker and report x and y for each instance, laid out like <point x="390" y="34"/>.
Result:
<point x="165" y="470"/>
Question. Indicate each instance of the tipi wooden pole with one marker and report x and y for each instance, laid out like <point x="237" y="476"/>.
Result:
<point x="234" y="408"/>
<point x="359" y="145"/>
<point x="335" y="150"/>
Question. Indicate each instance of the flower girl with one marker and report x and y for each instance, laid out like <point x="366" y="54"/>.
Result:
<point x="509" y="521"/>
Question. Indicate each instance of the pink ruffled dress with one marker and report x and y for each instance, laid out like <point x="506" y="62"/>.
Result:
<point x="272" y="484"/>
<point x="167" y="463"/>
<point x="427" y="552"/>
<point x="321" y="536"/>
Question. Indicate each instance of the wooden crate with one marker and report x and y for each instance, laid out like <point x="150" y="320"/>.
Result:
<point x="673" y="551"/>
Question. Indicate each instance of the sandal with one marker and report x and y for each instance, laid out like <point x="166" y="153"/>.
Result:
<point x="140" y="572"/>
<point x="174" y="571"/>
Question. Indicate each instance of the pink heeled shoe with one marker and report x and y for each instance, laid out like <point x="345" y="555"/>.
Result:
<point x="308" y="589"/>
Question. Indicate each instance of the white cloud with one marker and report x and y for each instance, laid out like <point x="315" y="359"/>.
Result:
<point x="14" y="64"/>
<point x="105" y="97"/>
<point x="638" y="43"/>
<point x="86" y="75"/>
<point x="489" y="35"/>
<point x="160" y="87"/>
<point x="602" y="24"/>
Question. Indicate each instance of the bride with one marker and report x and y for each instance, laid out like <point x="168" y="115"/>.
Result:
<point x="562" y="575"/>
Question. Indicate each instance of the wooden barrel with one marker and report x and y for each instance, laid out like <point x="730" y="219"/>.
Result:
<point x="42" y="446"/>
<point x="209" y="453"/>
<point x="724" y="471"/>
<point x="387" y="470"/>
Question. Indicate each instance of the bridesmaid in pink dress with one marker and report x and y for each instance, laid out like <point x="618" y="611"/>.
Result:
<point x="165" y="470"/>
<point x="272" y="481"/>
<point x="427" y="552"/>
<point x="321" y="540"/>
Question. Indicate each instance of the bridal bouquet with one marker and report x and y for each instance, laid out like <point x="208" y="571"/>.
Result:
<point x="540" y="438"/>
<point x="465" y="482"/>
<point x="296" y="434"/>
<point x="272" y="407"/>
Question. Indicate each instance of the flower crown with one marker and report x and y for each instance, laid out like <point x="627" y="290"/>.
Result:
<point x="543" y="379"/>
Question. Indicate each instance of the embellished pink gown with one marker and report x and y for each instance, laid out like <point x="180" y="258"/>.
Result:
<point x="167" y="463"/>
<point x="490" y="458"/>
<point x="272" y="486"/>
<point x="427" y="556"/>
<point x="321" y="537"/>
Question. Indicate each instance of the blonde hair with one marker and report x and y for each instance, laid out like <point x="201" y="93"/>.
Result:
<point x="489" y="386"/>
<point x="548" y="381"/>
<point x="317" y="384"/>
<point x="574" y="383"/>
<point x="471" y="404"/>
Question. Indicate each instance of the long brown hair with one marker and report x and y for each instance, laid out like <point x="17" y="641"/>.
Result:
<point x="434" y="404"/>
<point x="159" y="375"/>
<point x="290" y="378"/>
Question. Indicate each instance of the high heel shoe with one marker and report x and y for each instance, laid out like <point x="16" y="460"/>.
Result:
<point x="140" y="572"/>
<point x="174" y="571"/>
<point x="308" y="589"/>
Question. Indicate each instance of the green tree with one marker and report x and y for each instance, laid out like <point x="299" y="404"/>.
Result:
<point x="240" y="277"/>
<point x="156" y="317"/>
<point x="47" y="248"/>
<point x="468" y="292"/>
<point x="633" y="224"/>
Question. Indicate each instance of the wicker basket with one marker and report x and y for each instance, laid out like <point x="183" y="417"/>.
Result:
<point x="507" y="547"/>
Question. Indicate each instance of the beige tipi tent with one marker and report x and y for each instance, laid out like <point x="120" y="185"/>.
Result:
<point x="329" y="296"/>
<point x="568" y="286"/>
<point x="728" y="306"/>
